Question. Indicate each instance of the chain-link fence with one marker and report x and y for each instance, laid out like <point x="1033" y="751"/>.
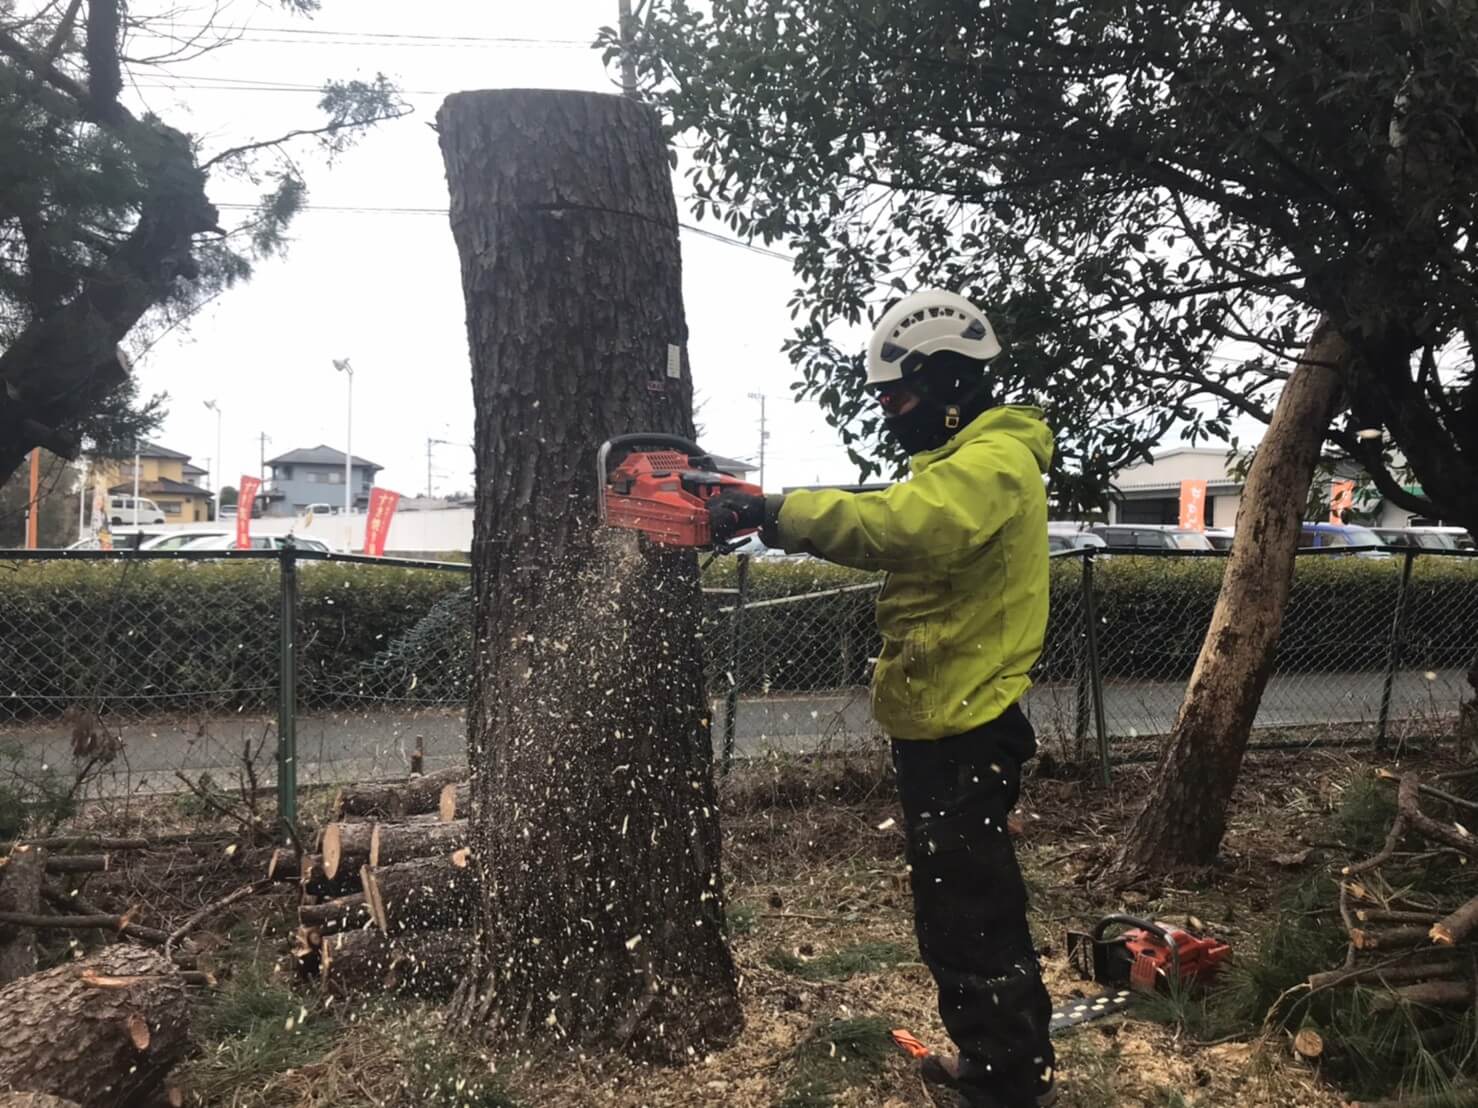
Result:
<point x="128" y="673"/>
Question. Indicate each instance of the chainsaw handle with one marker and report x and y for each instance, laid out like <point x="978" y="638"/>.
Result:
<point x="1144" y="925"/>
<point x="647" y="438"/>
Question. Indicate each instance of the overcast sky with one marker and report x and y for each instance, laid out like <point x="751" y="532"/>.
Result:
<point x="382" y="287"/>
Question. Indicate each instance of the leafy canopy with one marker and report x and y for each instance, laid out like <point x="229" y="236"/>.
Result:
<point x="1155" y="200"/>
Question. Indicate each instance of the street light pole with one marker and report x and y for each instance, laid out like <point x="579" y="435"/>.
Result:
<point x="764" y="434"/>
<point x="343" y="366"/>
<point x="215" y="407"/>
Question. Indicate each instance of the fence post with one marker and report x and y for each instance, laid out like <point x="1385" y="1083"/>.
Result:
<point x="1095" y="671"/>
<point x="731" y="696"/>
<point x="1393" y="653"/>
<point x="1083" y="705"/>
<point x="287" y="695"/>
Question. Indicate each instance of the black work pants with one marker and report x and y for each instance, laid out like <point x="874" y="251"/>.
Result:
<point x="970" y="905"/>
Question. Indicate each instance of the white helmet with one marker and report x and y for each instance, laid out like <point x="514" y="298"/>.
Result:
<point x="926" y="321"/>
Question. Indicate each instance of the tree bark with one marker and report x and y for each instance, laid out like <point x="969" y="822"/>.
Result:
<point x="367" y="963"/>
<point x="21" y="877"/>
<point x="425" y="895"/>
<point x="1185" y="815"/>
<point x="396" y="799"/>
<point x="403" y="842"/>
<point x="596" y="829"/>
<point x="345" y="847"/>
<point x="102" y="1031"/>
<point x="344" y="914"/>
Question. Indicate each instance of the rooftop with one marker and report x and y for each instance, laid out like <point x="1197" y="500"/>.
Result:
<point x="319" y="455"/>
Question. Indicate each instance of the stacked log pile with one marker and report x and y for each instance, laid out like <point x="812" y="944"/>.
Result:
<point x="388" y="894"/>
<point x="1413" y="945"/>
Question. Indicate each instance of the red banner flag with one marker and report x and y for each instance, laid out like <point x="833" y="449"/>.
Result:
<point x="382" y="504"/>
<point x="1193" y="505"/>
<point x="1341" y="500"/>
<point x="245" y="495"/>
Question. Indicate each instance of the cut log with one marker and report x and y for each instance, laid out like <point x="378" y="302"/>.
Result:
<point x="86" y="842"/>
<point x="347" y="913"/>
<point x="72" y="1031"/>
<point x="397" y="799"/>
<point x="1308" y="1044"/>
<point x="1387" y="915"/>
<point x="391" y="843"/>
<point x="79" y="863"/>
<point x="1425" y="993"/>
<point x="283" y="865"/>
<point x="345" y="848"/>
<point x="76" y="906"/>
<point x="362" y="963"/>
<point x="427" y="894"/>
<point x="1390" y="975"/>
<point x="1395" y="938"/>
<point x="317" y="883"/>
<point x="1454" y="928"/>
<point x="20" y="893"/>
<point x="455" y="802"/>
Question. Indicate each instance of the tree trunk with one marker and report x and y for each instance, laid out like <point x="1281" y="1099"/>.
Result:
<point x="21" y="876"/>
<point x="103" y="1031"/>
<point x="596" y="829"/>
<point x="344" y="914"/>
<point x="424" y="895"/>
<point x="345" y="847"/>
<point x="1185" y="816"/>
<point x="367" y="963"/>
<point x="402" y="842"/>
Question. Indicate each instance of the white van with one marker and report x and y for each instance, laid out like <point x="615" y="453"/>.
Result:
<point x="121" y="511"/>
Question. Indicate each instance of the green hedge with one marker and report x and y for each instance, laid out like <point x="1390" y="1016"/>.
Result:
<point x="203" y="637"/>
<point x="160" y="636"/>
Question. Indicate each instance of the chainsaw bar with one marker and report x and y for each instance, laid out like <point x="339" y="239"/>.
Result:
<point x="1086" y="1010"/>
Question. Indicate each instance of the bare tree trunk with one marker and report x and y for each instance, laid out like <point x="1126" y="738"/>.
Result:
<point x="594" y="824"/>
<point x="21" y="874"/>
<point x="1185" y="816"/>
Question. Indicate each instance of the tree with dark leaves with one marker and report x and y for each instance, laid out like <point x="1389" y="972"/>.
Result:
<point x="105" y="218"/>
<point x="1177" y="213"/>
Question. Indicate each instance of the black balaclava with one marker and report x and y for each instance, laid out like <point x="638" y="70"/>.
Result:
<point x="952" y="391"/>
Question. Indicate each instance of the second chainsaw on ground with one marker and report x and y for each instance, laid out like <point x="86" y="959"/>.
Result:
<point x="660" y="485"/>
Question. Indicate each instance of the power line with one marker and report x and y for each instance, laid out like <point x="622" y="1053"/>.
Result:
<point x="317" y="36"/>
<point x="366" y="209"/>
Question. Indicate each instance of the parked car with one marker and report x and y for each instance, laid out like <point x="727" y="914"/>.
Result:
<point x="1440" y="538"/>
<point x="1323" y="536"/>
<point x="258" y="542"/>
<point x="123" y="538"/>
<point x="1220" y="537"/>
<point x="175" y="540"/>
<point x="124" y="510"/>
<point x="1150" y="536"/>
<point x="1079" y="540"/>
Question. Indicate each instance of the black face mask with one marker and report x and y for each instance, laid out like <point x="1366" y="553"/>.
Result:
<point x="927" y="426"/>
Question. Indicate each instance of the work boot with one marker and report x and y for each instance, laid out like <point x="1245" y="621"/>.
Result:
<point x="945" y="1072"/>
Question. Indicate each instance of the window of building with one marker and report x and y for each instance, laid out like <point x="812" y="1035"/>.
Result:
<point x="170" y="507"/>
<point x="313" y="477"/>
<point x="283" y="472"/>
<point x="335" y="478"/>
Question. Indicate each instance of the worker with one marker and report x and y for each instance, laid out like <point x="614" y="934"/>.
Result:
<point x="962" y="614"/>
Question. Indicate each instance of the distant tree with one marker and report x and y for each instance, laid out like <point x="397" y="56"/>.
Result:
<point x="228" y="496"/>
<point x="57" y="504"/>
<point x="105" y="219"/>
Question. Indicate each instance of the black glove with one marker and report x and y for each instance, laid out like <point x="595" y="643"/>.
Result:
<point x="732" y="511"/>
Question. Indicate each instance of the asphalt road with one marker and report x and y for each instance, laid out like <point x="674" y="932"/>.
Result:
<point x="347" y="747"/>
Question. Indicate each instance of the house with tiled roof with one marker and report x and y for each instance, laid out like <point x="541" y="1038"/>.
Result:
<point x="166" y="477"/>
<point x="315" y="475"/>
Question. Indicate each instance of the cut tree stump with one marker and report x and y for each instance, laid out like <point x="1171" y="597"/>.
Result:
<point x="21" y="877"/>
<point x="1308" y="1044"/>
<point x="398" y="799"/>
<point x="345" y="847"/>
<point x="103" y="1031"/>
<point x="423" y="895"/>
<point x="362" y="963"/>
<point x="317" y="883"/>
<point x="403" y="842"/>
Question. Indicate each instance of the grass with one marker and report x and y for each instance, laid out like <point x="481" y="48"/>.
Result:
<point x="836" y="1055"/>
<point x="838" y="965"/>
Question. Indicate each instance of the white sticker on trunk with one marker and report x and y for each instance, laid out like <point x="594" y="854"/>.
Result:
<point x="674" y="360"/>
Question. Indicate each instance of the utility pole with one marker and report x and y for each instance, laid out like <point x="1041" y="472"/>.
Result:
<point x="33" y="514"/>
<point x="342" y="365"/>
<point x="262" y="440"/>
<point x="628" y="63"/>
<point x="215" y="407"/>
<point x="429" y="441"/>
<point x="764" y="434"/>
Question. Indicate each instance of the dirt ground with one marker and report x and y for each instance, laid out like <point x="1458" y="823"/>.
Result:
<point x="820" y="911"/>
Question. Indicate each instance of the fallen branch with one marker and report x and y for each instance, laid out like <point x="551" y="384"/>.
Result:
<point x="250" y="826"/>
<point x="1432" y="993"/>
<point x="79" y="863"/>
<point x="1455" y="927"/>
<point x="81" y="842"/>
<point x="198" y="917"/>
<point x="127" y="927"/>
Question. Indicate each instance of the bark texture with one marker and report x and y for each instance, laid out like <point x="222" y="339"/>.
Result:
<point x="1185" y="815"/>
<point x="396" y="799"/>
<point x="402" y="842"/>
<point x="75" y="1031"/>
<point x="595" y="828"/>
<point x="21" y="874"/>
<point x="427" y="894"/>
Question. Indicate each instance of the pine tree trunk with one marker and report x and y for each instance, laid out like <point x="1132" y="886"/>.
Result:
<point x="594" y="825"/>
<point x="1185" y="816"/>
<point x="21" y="874"/>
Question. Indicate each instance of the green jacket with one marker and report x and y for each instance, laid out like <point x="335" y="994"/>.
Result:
<point x="964" y="541"/>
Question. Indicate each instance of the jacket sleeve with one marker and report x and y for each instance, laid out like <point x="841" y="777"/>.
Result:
<point x="951" y="508"/>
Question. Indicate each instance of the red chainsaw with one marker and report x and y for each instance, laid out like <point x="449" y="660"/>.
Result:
<point x="660" y="485"/>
